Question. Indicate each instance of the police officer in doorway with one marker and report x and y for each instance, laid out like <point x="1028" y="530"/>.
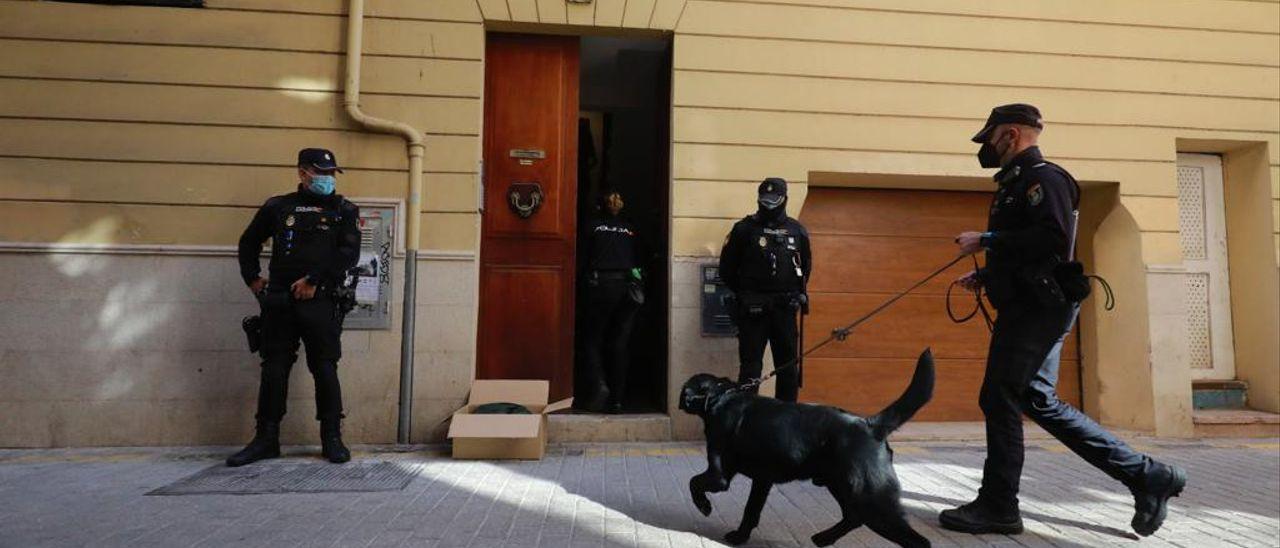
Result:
<point x="315" y="240"/>
<point x="1030" y="231"/>
<point x="614" y="295"/>
<point x="766" y="262"/>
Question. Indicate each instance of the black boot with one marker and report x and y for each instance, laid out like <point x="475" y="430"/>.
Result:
<point x="596" y="402"/>
<point x="331" y="442"/>
<point x="265" y="445"/>
<point x="1151" y="502"/>
<point x="979" y="517"/>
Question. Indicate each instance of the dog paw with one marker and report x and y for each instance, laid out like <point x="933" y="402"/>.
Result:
<point x="824" y="538"/>
<point x="703" y="504"/>
<point x="736" y="537"/>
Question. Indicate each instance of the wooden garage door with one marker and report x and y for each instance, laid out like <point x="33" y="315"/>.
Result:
<point x="869" y="244"/>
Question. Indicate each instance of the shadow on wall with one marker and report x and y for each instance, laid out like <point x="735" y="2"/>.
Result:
<point x="123" y="350"/>
<point x="128" y="350"/>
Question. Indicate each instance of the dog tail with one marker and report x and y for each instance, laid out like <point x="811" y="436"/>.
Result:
<point x="918" y="393"/>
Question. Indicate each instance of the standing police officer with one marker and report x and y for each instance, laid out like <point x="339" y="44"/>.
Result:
<point x="766" y="262"/>
<point x="1029" y="232"/>
<point x="315" y="240"/>
<point x="614" y="295"/>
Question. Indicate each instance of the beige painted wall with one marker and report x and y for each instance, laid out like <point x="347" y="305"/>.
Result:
<point x="145" y="349"/>
<point x="135" y="120"/>
<point x="135" y="125"/>
<point x="128" y="93"/>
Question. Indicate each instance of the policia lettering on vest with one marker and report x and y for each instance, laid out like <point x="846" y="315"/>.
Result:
<point x="315" y="241"/>
<point x="766" y="262"/>
<point x="1027" y="242"/>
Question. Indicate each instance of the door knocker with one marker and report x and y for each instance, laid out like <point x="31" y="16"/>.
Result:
<point x="524" y="198"/>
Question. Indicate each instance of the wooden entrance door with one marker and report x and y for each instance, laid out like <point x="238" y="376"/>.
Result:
<point x="869" y="244"/>
<point x="528" y="227"/>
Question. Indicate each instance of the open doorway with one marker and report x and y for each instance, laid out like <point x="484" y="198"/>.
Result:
<point x="623" y="145"/>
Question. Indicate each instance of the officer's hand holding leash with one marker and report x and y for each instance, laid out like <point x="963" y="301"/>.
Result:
<point x="970" y="242"/>
<point x="970" y="281"/>
<point x="258" y="286"/>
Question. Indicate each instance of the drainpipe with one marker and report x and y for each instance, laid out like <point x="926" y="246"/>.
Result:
<point x="413" y="138"/>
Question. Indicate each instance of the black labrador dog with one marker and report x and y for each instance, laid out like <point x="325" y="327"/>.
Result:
<point x="772" y="441"/>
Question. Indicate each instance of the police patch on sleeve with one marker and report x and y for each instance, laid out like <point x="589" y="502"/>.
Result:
<point x="1035" y="194"/>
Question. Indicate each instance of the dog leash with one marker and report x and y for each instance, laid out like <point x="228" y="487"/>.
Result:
<point x="981" y="306"/>
<point x="842" y="333"/>
<point x="978" y="305"/>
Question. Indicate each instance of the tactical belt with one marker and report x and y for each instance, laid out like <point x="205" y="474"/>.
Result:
<point x="609" y="274"/>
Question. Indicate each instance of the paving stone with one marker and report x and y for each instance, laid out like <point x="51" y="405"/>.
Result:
<point x="607" y="495"/>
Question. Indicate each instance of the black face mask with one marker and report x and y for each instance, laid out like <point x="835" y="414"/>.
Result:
<point x="774" y="214"/>
<point x="988" y="156"/>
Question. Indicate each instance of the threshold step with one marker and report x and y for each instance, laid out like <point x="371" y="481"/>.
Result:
<point x="1219" y="394"/>
<point x="1219" y="385"/>
<point x="1243" y="423"/>
<point x="585" y="427"/>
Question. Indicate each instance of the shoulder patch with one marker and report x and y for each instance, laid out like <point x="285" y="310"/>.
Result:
<point x="1035" y="194"/>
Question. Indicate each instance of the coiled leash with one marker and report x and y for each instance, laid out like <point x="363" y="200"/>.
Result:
<point x="978" y="306"/>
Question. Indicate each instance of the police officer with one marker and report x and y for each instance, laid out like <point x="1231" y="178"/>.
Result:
<point x="614" y="295"/>
<point x="1029" y="231"/>
<point x="766" y="262"/>
<point x="315" y="240"/>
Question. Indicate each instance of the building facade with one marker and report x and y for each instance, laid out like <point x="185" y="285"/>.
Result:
<point x="137" y="142"/>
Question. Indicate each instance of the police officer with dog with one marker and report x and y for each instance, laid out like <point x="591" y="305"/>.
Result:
<point x="766" y="262"/>
<point x="315" y="239"/>
<point x="1029" y="239"/>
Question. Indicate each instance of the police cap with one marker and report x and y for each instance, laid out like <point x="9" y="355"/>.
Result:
<point x="319" y="159"/>
<point x="1016" y="113"/>
<point x="772" y="191"/>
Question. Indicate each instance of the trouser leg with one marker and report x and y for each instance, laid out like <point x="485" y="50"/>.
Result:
<point x="322" y="335"/>
<point x="618" y="338"/>
<point x="1077" y="431"/>
<point x="782" y="344"/>
<point x="1019" y="344"/>
<point x="752" y="337"/>
<point x="279" y="352"/>
<point x="591" y="368"/>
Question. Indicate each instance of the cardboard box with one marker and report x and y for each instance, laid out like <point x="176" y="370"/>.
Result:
<point x="504" y="436"/>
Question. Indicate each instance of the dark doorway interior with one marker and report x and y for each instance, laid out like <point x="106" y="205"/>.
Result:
<point x="624" y="144"/>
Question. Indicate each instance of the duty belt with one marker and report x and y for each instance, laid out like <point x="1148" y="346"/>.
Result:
<point x="609" y="274"/>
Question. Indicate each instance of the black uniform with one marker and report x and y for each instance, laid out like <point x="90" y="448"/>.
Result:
<point x="612" y="251"/>
<point x="317" y="237"/>
<point x="1029" y="231"/>
<point x="766" y="262"/>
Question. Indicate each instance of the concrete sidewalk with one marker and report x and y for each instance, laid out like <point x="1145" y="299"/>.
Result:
<point x="610" y="495"/>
